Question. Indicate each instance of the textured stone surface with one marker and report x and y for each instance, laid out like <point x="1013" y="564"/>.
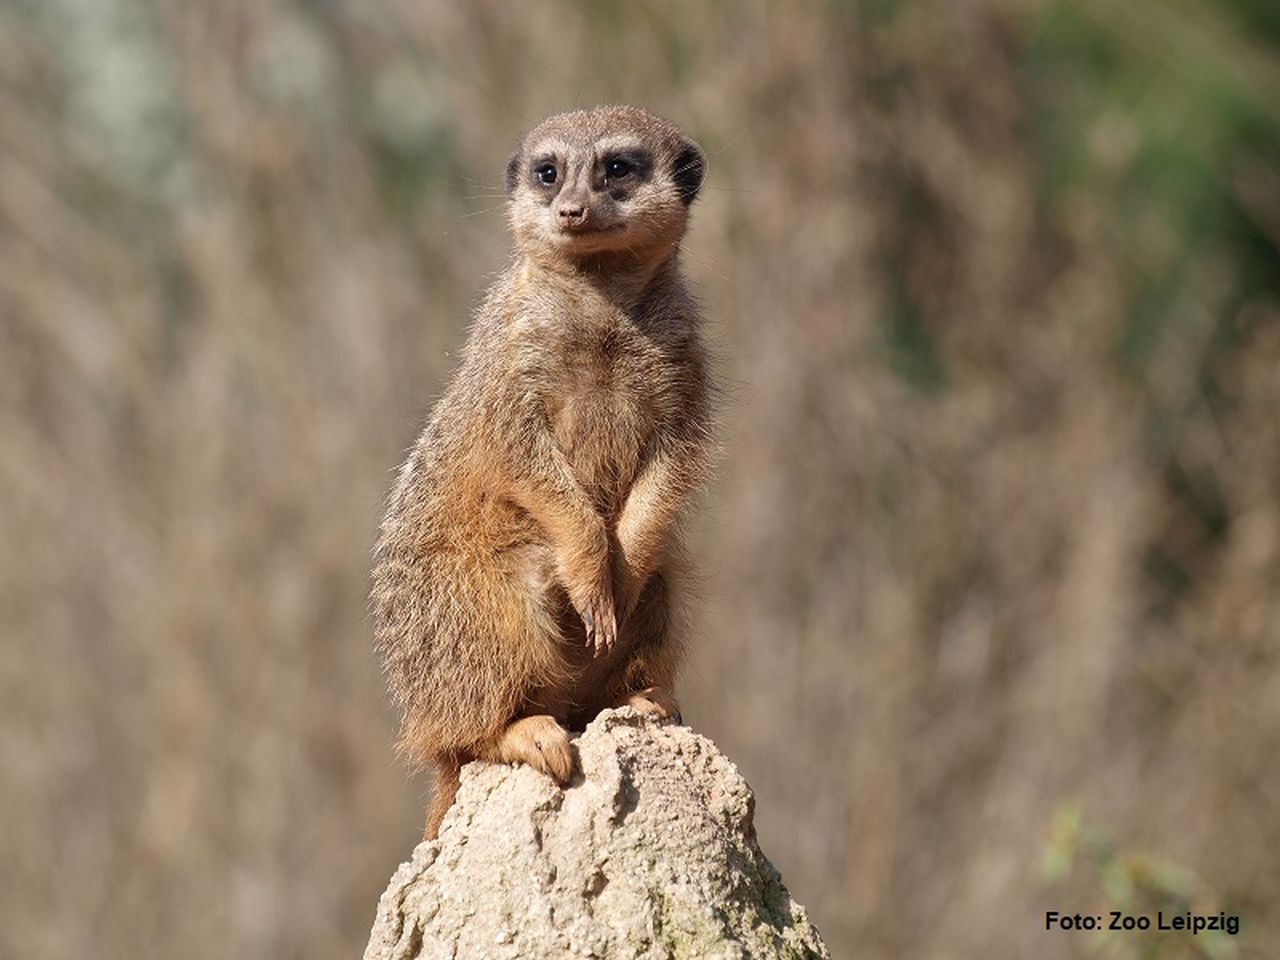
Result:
<point x="650" y="852"/>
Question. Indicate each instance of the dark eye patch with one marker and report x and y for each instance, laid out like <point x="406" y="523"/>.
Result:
<point x="622" y="165"/>
<point x="544" y="171"/>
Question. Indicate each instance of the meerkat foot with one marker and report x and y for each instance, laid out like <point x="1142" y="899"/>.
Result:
<point x="540" y="742"/>
<point x="656" y="703"/>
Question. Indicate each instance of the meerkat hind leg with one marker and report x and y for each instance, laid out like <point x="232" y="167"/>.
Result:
<point x="647" y="679"/>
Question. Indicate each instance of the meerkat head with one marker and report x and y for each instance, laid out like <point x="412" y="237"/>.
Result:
<point x="597" y="181"/>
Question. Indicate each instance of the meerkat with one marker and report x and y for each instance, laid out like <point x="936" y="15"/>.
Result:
<point x="528" y="568"/>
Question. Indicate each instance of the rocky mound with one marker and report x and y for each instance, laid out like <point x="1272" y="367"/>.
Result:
<point x="649" y="853"/>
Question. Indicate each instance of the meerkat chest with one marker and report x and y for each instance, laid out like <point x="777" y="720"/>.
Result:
<point x="606" y="400"/>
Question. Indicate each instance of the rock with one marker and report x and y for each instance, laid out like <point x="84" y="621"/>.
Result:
<point x="649" y="853"/>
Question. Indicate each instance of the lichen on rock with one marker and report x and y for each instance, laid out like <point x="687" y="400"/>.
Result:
<point x="650" y="852"/>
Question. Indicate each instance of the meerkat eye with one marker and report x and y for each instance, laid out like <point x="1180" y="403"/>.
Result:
<point x="617" y="168"/>
<point x="546" y="173"/>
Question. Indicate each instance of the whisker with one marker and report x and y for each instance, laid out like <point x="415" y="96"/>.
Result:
<point x="477" y="213"/>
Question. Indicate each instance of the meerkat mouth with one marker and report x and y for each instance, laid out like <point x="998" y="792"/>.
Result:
<point x="592" y="238"/>
<point x="588" y="229"/>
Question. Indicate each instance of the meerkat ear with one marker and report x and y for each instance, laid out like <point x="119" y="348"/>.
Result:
<point x="688" y="170"/>
<point x="513" y="172"/>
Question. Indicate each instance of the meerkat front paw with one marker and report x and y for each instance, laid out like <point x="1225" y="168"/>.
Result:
<point x="599" y="617"/>
<point x="655" y="702"/>
<point x="540" y="742"/>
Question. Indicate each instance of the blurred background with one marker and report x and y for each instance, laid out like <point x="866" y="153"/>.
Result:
<point x="992" y="560"/>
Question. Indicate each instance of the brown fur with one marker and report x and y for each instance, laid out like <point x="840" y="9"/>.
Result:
<point x="527" y="573"/>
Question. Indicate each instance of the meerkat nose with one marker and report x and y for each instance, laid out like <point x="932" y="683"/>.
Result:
<point x="572" y="215"/>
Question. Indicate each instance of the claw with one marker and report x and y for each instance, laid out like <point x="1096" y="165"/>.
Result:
<point x="598" y="620"/>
